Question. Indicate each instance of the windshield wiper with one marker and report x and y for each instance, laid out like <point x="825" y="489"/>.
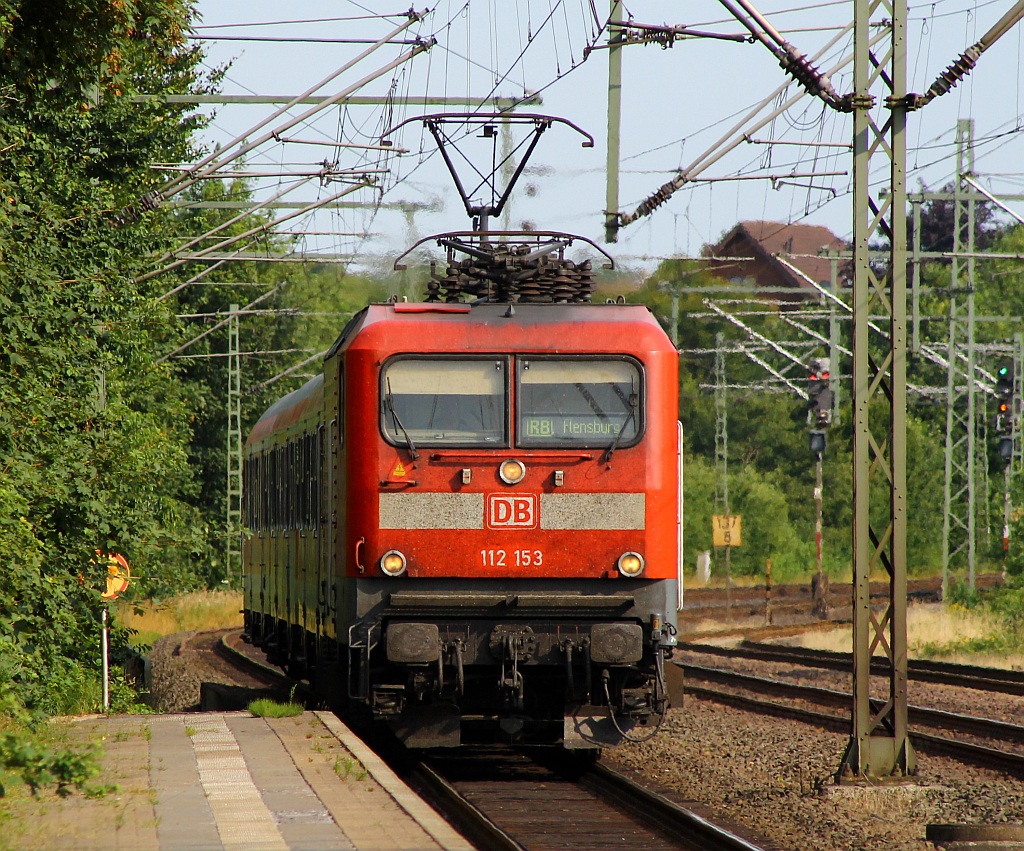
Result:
<point x="618" y="436"/>
<point x="389" y="401"/>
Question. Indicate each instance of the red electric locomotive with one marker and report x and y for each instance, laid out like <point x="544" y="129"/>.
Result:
<point x="469" y="524"/>
<point x="470" y="518"/>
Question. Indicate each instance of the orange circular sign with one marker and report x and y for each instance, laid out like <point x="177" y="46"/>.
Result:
<point x="118" y="575"/>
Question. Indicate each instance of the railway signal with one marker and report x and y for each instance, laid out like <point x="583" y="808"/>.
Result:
<point x="819" y="403"/>
<point x="1004" y="396"/>
<point x="817" y="442"/>
<point x="1005" y="448"/>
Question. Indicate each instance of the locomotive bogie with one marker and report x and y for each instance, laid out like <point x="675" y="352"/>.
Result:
<point x="471" y="519"/>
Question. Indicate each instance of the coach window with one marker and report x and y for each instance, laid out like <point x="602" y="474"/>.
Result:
<point x="580" y="402"/>
<point x="436" y="402"/>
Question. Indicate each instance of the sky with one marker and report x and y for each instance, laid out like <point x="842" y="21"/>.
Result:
<point x="678" y="102"/>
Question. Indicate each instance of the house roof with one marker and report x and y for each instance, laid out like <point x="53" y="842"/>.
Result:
<point x="761" y="241"/>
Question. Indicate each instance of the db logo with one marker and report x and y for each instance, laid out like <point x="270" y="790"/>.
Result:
<point x="511" y="511"/>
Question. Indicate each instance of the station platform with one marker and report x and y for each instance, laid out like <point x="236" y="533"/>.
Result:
<point x="226" y="781"/>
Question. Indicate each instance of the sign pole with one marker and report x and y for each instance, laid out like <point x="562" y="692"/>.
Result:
<point x="118" y="578"/>
<point x="105" y="652"/>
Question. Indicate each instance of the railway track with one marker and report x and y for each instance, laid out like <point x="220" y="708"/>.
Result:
<point x="504" y="798"/>
<point x="714" y="599"/>
<point x="235" y="673"/>
<point x="976" y="741"/>
<point x="976" y="677"/>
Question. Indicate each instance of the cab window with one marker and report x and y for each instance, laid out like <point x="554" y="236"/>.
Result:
<point x="580" y="402"/>
<point x="437" y="402"/>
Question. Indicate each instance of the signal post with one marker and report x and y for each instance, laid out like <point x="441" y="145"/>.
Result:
<point x="819" y="416"/>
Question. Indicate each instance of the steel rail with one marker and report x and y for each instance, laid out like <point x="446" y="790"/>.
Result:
<point x="966" y="751"/>
<point x="976" y="677"/>
<point x="923" y="715"/>
<point x="470" y="821"/>
<point x="670" y="816"/>
<point x="686" y="828"/>
<point x="680" y="827"/>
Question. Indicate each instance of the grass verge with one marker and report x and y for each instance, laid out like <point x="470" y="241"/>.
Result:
<point x="198" y="610"/>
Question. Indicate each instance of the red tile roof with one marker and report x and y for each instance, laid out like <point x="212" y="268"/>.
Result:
<point x="761" y="240"/>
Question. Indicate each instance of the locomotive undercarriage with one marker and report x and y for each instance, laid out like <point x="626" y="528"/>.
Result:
<point x="585" y="684"/>
<point x="531" y="665"/>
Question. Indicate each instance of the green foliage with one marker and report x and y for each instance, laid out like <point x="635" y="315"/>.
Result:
<point x="1006" y="604"/>
<point x="771" y="472"/>
<point x="27" y="758"/>
<point x="961" y="594"/>
<point x="92" y="428"/>
<point x="347" y="767"/>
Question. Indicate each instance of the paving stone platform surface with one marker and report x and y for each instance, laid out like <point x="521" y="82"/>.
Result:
<point x="227" y="781"/>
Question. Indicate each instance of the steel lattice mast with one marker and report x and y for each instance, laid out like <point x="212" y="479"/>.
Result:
<point x="233" y="525"/>
<point x="959" y="524"/>
<point x="879" y="743"/>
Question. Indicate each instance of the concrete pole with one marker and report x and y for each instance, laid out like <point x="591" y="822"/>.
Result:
<point x="611" y="203"/>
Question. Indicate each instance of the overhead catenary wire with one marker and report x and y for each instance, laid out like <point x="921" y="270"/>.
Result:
<point x="226" y="224"/>
<point x="193" y="280"/>
<point x="287" y="21"/>
<point x="241" y="354"/>
<point x="264" y="384"/>
<point x="262" y="228"/>
<point x="229" y="153"/>
<point x="734" y="137"/>
<point x="221" y="324"/>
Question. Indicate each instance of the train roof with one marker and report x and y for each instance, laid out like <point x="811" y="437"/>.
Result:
<point x="507" y="324"/>
<point x="290" y="409"/>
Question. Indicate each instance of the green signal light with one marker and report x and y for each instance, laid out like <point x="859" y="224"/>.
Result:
<point x="1004" y="370"/>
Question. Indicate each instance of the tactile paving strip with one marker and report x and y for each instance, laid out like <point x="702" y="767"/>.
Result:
<point x="243" y="820"/>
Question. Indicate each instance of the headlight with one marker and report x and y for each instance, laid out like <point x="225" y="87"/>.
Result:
<point x="631" y="564"/>
<point x="393" y="563"/>
<point x="512" y="471"/>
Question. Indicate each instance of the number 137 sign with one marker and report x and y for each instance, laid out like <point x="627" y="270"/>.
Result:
<point x="727" y="530"/>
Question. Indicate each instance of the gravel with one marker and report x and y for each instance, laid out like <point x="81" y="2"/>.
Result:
<point x="774" y="777"/>
<point x="175" y="679"/>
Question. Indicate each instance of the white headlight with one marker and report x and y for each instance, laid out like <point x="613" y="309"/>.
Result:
<point x="631" y="564"/>
<point x="512" y="471"/>
<point x="393" y="563"/>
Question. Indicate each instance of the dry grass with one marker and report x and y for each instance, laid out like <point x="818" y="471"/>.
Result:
<point x="198" y="610"/>
<point x="931" y="626"/>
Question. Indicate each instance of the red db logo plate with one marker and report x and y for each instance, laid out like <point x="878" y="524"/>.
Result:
<point x="511" y="512"/>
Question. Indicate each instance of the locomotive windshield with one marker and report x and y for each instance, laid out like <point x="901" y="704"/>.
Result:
<point x="445" y="402"/>
<point x="583" y="402"/>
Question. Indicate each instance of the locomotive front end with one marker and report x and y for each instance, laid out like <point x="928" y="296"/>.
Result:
<point x="512" y="510"/>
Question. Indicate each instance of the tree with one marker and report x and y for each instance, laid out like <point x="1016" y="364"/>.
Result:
<point x="93" y="429"/>
<point x="938" y="217"/>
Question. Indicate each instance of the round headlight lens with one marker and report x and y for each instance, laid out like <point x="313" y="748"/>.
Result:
<point x="631" y="564"/>
<point x="393" y="563"/>
<point x="512" y="471"/>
